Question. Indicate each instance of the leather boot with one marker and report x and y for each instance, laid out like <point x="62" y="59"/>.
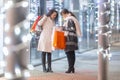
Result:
<point x="49" y="62"/>
<point x="44" y="61"/>
<point x="71" y="61"/>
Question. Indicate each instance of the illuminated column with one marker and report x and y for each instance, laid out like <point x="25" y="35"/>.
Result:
<point x="112" y="20"/>
<point x="15" y="40"/>
<point x="118" y="20"/>
<point x="60" y="20"/>
<point x="103" y="39"/>
<point x="1" y="38"/>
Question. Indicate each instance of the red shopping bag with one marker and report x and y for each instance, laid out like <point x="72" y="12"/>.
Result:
<point x="35" y="24"/>
<point x="59" y="40"/>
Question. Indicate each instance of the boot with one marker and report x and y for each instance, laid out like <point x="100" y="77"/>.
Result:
<point x="70" y="70"/>
<point x="49" y="62"/>
<point x="71" y="61"/>
<point x="44" y="61"/>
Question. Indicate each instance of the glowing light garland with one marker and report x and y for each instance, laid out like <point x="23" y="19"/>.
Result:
<point x="13" y="33"/>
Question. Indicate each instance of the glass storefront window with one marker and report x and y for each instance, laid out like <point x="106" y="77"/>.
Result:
<point x="86" y="19"/>
<point x="86" y="14"/>
<point x="35" y="56"/>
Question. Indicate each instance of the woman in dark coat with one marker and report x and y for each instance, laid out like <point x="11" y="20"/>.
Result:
<point x="71" y="28"/>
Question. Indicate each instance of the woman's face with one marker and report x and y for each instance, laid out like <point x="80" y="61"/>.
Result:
<point x="63" y="15"/>
<point x="54" y="15"/>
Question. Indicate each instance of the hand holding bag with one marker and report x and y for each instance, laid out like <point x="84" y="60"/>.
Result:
<point x="33" y="28"/>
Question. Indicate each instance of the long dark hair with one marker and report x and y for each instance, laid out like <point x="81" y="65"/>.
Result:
<point x="64" y="11"/>
<point x="72" y="14"/>
<point x="51" y="12"/>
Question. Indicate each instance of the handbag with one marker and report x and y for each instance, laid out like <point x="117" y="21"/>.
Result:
<point x="33" y="28"/>
<point x="59" y="40"/>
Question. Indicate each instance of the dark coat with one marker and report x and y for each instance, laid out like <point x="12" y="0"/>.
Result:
<point x="71" y="37"/>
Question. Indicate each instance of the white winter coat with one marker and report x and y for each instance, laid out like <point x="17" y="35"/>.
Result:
<point x="45" y="41"/>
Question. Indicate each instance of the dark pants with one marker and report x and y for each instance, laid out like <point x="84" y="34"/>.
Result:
<point x="71" y="59"/>
<point x="44" y="55"/>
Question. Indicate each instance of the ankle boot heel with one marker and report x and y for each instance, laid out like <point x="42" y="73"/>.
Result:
<point x="70" y="71"/>
<point x="49" y="70"/>
<point x="73" y="71"/>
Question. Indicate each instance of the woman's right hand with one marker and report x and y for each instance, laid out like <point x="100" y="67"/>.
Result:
<point x="59" y="28"/>
<point x="65" y="33"/>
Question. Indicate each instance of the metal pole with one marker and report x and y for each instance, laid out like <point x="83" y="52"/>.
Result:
<point x="15" y="49"/>
<point x="103" y="39"/>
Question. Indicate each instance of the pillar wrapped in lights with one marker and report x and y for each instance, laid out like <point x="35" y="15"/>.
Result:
<point x="103" y="38"/>
<point x="15" y="48"/>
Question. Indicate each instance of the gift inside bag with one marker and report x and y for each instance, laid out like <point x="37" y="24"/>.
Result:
<point x="59" y="40"/>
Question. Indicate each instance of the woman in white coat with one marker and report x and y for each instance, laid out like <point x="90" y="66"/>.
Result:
<point x="45" y="42"/>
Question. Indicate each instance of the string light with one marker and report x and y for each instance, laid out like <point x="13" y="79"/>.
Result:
<point x="9" y="75"/>
<point x="7" y="27"/>
<point x="26" y="23"/>
<point x="30" y="16"/>
<point x="18" y="72"/>
<point x="7" y="40"/>
<point x="25" y="4"/>
<point x="17" y="31"/>
<point x="26" y="73"/>
<point x="104" y="33"/>
<point x="106" y="12"/>
<point x="2" y="64"/>
<point x="24" y="38"/>
<point x="5" y="51"/>
<point x="30" y="67"/>
<point x="29" y="37"/>
<point x="8" y="4"/>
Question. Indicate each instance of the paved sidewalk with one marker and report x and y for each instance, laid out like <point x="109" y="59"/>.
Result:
<point x="86" y="67"/>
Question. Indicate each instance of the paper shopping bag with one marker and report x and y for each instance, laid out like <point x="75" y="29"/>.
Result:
<point x="35" y="24"/>
<point x="59" y="40"/>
